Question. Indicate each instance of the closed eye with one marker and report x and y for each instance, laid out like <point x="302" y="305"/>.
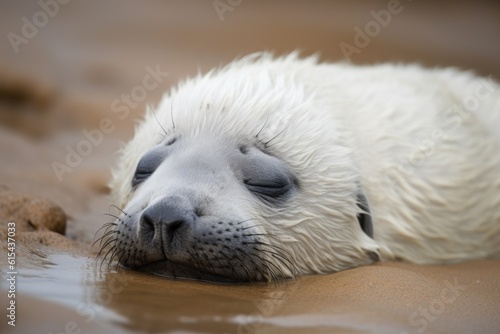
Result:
<point x="268" y="190"/>
<point x="140" y="176"/>
<point x="150" y="162"/>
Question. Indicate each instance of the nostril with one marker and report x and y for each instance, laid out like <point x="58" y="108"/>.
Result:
<point x="147" y="224"/>
<point x="166" y="221"/>
<point x="173" y="227"/>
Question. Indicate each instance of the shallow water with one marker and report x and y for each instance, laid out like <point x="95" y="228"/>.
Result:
<point x="125" y="301"/>
<point x="62" y="289"/>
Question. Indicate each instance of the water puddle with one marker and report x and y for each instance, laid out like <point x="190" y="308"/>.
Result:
<point x="61" y="292"/>
<point x="71" y="293"/>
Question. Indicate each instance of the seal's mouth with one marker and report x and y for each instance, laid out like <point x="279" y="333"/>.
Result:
<point x="169" y="269"/>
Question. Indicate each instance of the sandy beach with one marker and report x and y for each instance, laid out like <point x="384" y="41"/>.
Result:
<point x="66" y="68"/>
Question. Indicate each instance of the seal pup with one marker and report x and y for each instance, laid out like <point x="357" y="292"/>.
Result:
<point x="269" y="168"/>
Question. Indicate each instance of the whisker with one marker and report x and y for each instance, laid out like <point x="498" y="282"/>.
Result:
<point x="283" y="260"/>
<point x="95" y="241"/>
<point x="271" y="272"/>
<point x="260" y="235"/>
<point x="246" y="220"/>
<point x="252" y="226"/>
<point x="106" y="226"/>
<point x="271" y="275"/>
<point x="121" y="254"/>
<point x="257" y="267"/>
<point x="263" y="126"/>
<point x="113" y="256"/>
<point x="105" y="256"/>
<point x="116" y="252"/>
<point x="157" y="121"/>
<point x="101" y="239"/>
<point x="248" y="272"/>
<point x="266" y="143"/>
<point x="264" y="234"/>
<point x="268" y="146"/>
<point x="106" y="244"/>
<point x="172" y="111"/>
<point x="114" y="206"/>
<point x="111" y="215"/>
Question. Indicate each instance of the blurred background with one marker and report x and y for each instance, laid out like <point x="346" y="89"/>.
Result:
<point x="67" y="65"/>
<point x="75" y="75"/>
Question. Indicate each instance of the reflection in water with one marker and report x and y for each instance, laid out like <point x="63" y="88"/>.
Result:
<point x="156" y="305"/>
<point x="66" y="280"/>
<point x="129" y="301"/>
<point x="57" y="278"/>
<point x="58" y="289"/>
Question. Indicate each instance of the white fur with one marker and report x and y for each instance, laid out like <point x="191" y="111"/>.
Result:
<point x="430" y="172"/>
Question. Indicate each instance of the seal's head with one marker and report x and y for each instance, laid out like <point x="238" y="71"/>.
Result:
<point x="239" y="175"/>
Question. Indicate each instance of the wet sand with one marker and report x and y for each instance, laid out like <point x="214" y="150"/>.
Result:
<point x="66" y="78"/>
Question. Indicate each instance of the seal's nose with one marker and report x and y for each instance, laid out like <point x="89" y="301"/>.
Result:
<point x="169" y="217"/>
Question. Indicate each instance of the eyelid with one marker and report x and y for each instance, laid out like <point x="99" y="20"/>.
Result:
<point x="149" y="162"/>
<point x="265" y="176"/>
<point x="140" y="176"/>
<point x="136" y="181"/>
<point x="266" y="184"/>
<point x="269" y="191"/>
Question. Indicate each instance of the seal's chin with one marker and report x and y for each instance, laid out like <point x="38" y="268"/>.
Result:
<point x="168" y="269"/>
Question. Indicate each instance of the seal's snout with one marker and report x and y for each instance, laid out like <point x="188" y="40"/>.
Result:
<point x="165" y="219"/>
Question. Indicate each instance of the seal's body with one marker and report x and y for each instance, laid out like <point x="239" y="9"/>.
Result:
<point x="255" y="171"/>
